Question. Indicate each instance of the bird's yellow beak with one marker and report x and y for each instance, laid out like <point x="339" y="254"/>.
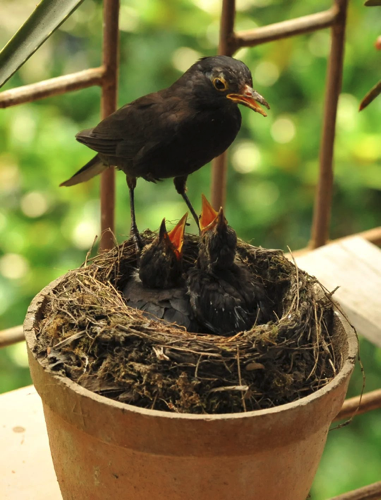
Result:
<point x="209" y="217"/>
<point x="250" y="98"/>
<point x="176" y="236"/>
<point x="208" y="214"/>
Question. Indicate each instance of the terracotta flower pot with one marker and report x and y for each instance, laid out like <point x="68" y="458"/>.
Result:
<point x="103" y="449"/>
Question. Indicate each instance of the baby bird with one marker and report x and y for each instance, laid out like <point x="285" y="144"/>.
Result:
<point x="158" y="287"/>
<point x="224" y="296"/>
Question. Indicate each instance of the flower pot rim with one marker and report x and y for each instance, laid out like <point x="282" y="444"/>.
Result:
<point x="339" y="322"/>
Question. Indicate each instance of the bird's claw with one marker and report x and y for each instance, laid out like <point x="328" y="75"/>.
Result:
<point x="137" y="240"/>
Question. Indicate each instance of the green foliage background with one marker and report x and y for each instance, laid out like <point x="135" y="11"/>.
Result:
<point x="46" y="230"/>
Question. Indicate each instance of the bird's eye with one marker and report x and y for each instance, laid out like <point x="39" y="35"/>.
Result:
<point x="220" y="84"/>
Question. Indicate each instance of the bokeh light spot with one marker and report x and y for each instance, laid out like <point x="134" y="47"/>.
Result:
<point x="246" y="157"/>
<point x="266" y="73"/>
<point x="210" y="6"/>
<point x="128" y="19"/>
<point x="283" y="130"/>
<point x="34" y="204"/>
<point x="19" y="355"/>
<point x="184" y="57"/>
<point x="347" y="112"/>
<point x="13" y="266"/>
<point x="9" y="174"/>
<point x="318" y="44"/>
<point x="84" y="233"/>
<point x="23" y="127"/>
<point x="260" y="3"/>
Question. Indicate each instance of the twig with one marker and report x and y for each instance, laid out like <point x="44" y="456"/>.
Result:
<point x="240" y="380"/>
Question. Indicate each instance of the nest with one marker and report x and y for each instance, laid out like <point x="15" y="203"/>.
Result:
<point x="89" y="334"/>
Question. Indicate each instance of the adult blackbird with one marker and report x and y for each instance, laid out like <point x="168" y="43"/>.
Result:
<point x="224" y="296"/>
<point x="158" y="287"/>
<point x="173" y="132"/>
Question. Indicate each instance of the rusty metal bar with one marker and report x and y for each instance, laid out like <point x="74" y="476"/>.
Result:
<point x="220" y="164"/>
<point x="371" y="492"/>
<point x="323" y="200"/>
<point x="284" y="29"/>
<point x="108" y="106"/>
<point x="11" y="336"/>
<point x="51" y="87"/>
<point x="369" y="401"/>
<point x="219" y="179"/>
<point x="227" y="28"/>
<point x="230" y="42"/>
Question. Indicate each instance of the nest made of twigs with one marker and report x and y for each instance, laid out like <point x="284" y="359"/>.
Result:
<point x="89" y="334"/>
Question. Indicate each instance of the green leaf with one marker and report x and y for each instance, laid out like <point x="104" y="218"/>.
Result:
<point x="372" y="3"/>
<point x="47" y="17"/>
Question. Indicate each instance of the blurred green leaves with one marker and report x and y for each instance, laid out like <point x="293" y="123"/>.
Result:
<point x="273" y="164"/>
<point x="47" y="17"/>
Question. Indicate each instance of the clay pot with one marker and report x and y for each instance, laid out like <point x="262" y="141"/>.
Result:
<point x="103" y="449"/>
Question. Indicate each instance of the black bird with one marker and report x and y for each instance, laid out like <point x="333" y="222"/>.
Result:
<point x="224" y="296"/>
<point x="173" y="132"/>
<point x="158" y="288"/>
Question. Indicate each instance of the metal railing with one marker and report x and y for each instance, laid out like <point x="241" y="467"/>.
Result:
<point x="107" y="78"/>
<point x="230" y="41"/>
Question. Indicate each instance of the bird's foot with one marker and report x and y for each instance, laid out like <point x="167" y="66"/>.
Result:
<point x="137" y="239"/>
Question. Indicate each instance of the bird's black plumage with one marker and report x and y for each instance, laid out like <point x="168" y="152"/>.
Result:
<point x="160" y="263"/>
<point x="224" y="296"/>
<point x="158" y="287"/>
<point x="173" y="132"/>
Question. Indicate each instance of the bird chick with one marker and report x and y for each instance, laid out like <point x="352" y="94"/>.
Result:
<point x="173" y="132"/>
<point x="158" y="288"/>
<point x="160" y="263"/>
<point x="224" y="296"/>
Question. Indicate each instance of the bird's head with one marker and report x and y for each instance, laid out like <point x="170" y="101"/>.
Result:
<point x="160" y="264"/>
<point x="218" y="240"/>
<point x="220" y="78"/>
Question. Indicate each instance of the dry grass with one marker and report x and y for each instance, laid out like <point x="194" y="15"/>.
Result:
<point x="90" y="335"/>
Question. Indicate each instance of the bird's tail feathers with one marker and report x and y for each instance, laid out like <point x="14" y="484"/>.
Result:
<point x="90" y="170"/>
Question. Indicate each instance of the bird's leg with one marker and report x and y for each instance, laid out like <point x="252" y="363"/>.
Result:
<point x="180" y="185"/>
<point x="134" y="232"/>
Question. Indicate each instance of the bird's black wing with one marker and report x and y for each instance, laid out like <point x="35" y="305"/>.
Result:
<point x="134" y="129"/>
<point x="98" y="142"/>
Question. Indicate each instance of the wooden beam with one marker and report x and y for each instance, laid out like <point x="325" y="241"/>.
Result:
<point x="353" y="265"/>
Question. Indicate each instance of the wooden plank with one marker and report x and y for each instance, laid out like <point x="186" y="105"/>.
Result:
<point x="26" y="467"/>
<point x="354" y="265"/>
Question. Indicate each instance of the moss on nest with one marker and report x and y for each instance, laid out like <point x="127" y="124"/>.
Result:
<point x="90" y="335"/>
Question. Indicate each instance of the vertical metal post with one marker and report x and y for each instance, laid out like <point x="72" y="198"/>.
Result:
<point x="323" y="200"/>
<point x="220" y="164"/>
<point x="108" y="106"/>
